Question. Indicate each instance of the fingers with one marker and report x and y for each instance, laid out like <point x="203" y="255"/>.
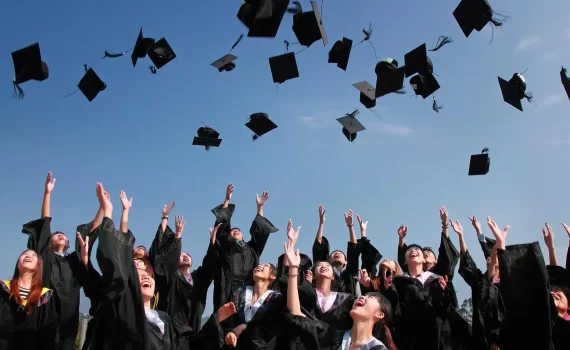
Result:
<point x="79" y="238"/>
<point x="87" y="240"/>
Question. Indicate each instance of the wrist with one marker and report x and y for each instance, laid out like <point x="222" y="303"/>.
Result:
<point x="349" y="225"/>
<point x="164" y="217"/>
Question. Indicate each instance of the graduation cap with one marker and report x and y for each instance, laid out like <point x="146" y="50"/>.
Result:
<point x="367" y="94"/>
<point x="283" y="67"/>
<point x="225" y="63"/>
<point x="480" y="163"/>
<point x="474" y="15"/>
<point x="260" y="124"/>
<point x="514" y="90"/>
<point x="424" y="85"/>
<point x="207" y="137"/>
<point x="262" y="17"/>
<point x="308" y="26"/>
<point x="28" y="65"/>
<point x="565" y="81"/>
<point x="91" y="85"/>
<point x="389" y="77"/>
<point x="340" y="53"/>
<point x="142" y="47"/>
<point x="417" y="61"/>
<point x="350" y="125"/>
<point x="161" y="53"/>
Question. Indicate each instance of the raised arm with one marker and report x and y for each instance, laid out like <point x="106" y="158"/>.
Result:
<point x="402" y="246"/>
<point x="127" y="204"/>
<point x="223" y="214"/>
<point x="467" y="267"/>
<point x="348" y="219"/>
<point x="165" y="212"/>
<point x="567" y="229"/>
<point x="370" y="255"/>
<point x="164" y="254"/>
<point x="292" y="260"/>
<point x="260" y="228"/>
<point x="549" y="241"/>
<point x="321" y="248"/>
<point x="46" y="203"/>
<point x="456" y="226"/>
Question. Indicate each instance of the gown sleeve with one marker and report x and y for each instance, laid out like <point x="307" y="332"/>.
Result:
<point x="371" y="257"/>
<point x="304" y="332"/>
<point x="402" y="255"/>
<point x="468" y="270"/>
<point x="39" y="233"/>
<point x="224" y="217"/>
<point x="568" y="259"/>
<point x="260" y="230"/>
<point x="164" y="255"/>
<point x="321" y="250"/>
<point x="447" y="259"/>
<point x="526" y="295"/>
<point x="351" y="270"/>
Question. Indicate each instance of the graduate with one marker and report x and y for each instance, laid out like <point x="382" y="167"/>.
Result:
<point x="63" y="273"/>
<point x="370" y="315"/>
<point x="237" y="258"/>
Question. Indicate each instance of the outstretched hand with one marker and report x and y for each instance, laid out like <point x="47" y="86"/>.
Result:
<point x="84" y="245"/>
<point x="127" y="203"/>
<point x="229" y="191"/>
<point x="261" y="200"/>
<point x="213" y="233"/>
<point x="500" y="235"/>
<point x="168" y="208"/>
<point x="50" y="183"/>
<point x="456" y="226"/>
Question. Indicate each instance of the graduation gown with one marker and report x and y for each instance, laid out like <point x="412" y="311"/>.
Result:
<point x="304" y="288"/>
<point x="422" y="312"/>
<point x="237" y="260"/>
<point x="181" y="300"/>
<point x="526" y="295"/>
<point x="345" y="282"/>
<point x="560" y="277"/>
<point x="265" y="329"/>
<point x="36" y="331"/>
<point x="305" y="332"/>
<point x="337" y="317"/>
<point x="488" y="308"/>
<point x="121" y="321"/>
<point x="64" y="275"/>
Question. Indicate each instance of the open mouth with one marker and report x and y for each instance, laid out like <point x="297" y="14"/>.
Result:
<point x="27" y="260"/>
<point x="414" y="254"/>
<point x="358" y="303"/>
<point x="258" y="269"/>
<point x="323" y="269"/>
<point x="146" y="285"/>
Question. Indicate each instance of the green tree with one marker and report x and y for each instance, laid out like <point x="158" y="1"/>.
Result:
<point x="466" y="310"/>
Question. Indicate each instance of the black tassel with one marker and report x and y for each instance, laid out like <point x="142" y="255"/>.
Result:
<point x="498" y="19"/>
<point x="152" y="69"/>
<point x="441" y="42"/>
<point x="254" y="137"/>
<point x="18" y="92"/>
<point x="401" y="92"/>
<point x="86" y="67"/>
<point x="236" y="43"/>
<point x="297" y="8"/>
<point x="368" y="32"/>
<point x="286" y="45"/>
<point x="112" y="55"/>
<point x="528" y="96"/>
<point x="435" y="107"/>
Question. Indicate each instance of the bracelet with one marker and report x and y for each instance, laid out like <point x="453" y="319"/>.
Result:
<point x="290" y="266"/>
<point x="444" y="225"/>
<point x="165" y="218"/>
<point x="350" y="225"/>
<point x="293" y="274"/>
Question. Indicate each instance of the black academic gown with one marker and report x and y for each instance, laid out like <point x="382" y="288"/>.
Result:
<point x="265" y="330"/>
<point x="337" y="318"/>
<point x="64" y="275"/>
<point x="488" y="308"/>
<point x="422" y="312"/>
<point x="345" y="282"/>
<point x="181" y="300"/>
<point x="237" y="260"/>
<point x="36" y="331"/>
<point x="305" y="289"/>
<point x="121" y="322"/>
<point x="526" y="295"/>
<point x="560" y="277"/>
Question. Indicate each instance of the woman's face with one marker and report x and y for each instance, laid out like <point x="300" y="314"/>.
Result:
<point x="323" y="269"/>
<point x="560" y="300"/>
<point x="414" y="255"/>
<point x="338" y="257"/>
<point x="185" y="260"/>
<point x="140" y="252"/>
<point x="27" y="261"/>
<point x="429" y="257"/>
<point x="263" y="272"/>
<point x="147" y="284"/>
<point x="366" y="308"/>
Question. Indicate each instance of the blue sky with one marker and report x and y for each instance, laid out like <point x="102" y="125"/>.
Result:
<point x="137" y="134"/>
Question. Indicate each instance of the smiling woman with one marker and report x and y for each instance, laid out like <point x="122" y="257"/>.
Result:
<point x="30" y="311"/>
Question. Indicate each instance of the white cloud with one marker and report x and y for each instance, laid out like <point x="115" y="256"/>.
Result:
<point x="551" y="100"/>
<point x="529" y="42"/>
<point x="391" y="129"/>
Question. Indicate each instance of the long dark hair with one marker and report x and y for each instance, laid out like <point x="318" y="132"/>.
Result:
<point x="382" y="329"/>
<point x="35" y="291"/>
